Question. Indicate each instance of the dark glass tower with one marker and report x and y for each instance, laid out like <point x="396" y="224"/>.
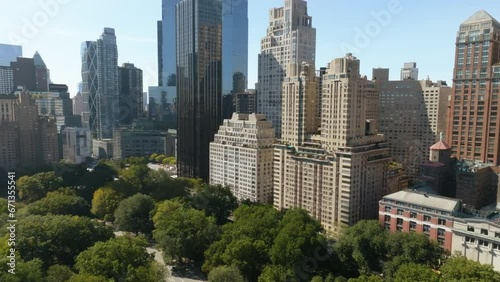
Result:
<point x="199" y="83"/>
<point x="130" y="78"/>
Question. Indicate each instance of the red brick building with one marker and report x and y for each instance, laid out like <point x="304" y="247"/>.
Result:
<point x="414" y="211"/>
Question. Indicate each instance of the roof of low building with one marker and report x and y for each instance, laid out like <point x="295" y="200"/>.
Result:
<point x="424" y="199"/>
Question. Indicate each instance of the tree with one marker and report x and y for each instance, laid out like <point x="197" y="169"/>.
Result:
<point x="71" y="174"/>
<point x="160" y="186"/>
<point x="361" y="247"/>
<point x="225" y="274"/>
<point x="136" y="160"/>
<point x="58" y="239"/>
<point x="182" y="231"/>
<point x="405" y="248"/>
<point x="153" y="157"/>
<point x="371" y="278"/>
<point x="461" y="269"/>
<point x="277" y="273"/>
<point x="105" y="202"/>
<point x="216" y="201"/>
<point x="159" y="159"/>
<point x="57" y="203"/>
<point x="246" y="242"/>
<point x="84" y="277"/>
<point x="415" y="272"/>
<point x="121" y="259"/>
<point x="32" y="188"/>
<point x="58" y="273"/>
<point x="26" y="271"/>
<point x="132" y="179"/>
<point x="134" y="214"/>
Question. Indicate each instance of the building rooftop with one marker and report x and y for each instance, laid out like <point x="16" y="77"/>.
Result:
<point x="440" y="146"/>
<point x="480" y="16"/>
<point x="424" y="200"/>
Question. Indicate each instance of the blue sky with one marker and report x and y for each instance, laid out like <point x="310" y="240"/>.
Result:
<point x="417" y="30"/>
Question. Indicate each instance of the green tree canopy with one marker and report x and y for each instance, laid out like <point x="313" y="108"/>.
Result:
<point x="361" y="247"/>
<point x="183" y="232"/>
<point x="277" y="273"/>
<point x="461" y="269"/>
<point x="134" y="214"/>
<point x="58" y="239"/>
<point x="105" y="202"/>
<point x="225" y="274"/>
<point x="246" y="242"/>
<point x="405" y="248"/>
<point x="132" y="179"/>
<point x="84" y="277"/>
<point x="26" y="271"/>
<point x="58" y="273"/>
<point x="364" y="278"/>
<point x="160" y="186"/>
<point x="122" y="259"/>
<point x="216" y="201"/>
<point x="35" y="187"/>
<point x="416" y="272"/>
<point x="58" y="203"/>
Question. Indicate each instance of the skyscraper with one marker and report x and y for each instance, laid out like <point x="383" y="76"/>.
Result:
<point x="474" y="122"/>
<point x="409" y="71"/>
<point x="130" y="93"/>
<point x="9" y="53"/>
<point x="234" y="46"/>
<point x="339" y="173"/>
<point x="100" y="83"/>
<point x="290" y="39"/>
<point x="199" y="83"/>
<point x="166" y="47"/>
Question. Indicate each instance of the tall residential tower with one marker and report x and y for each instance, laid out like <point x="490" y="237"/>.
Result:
<point x="474" y="122"/>
<point x="290" y="39"/>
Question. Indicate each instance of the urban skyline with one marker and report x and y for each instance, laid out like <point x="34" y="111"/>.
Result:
<point x="380" y="50"/>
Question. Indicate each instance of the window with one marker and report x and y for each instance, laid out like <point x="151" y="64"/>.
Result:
<point x="427" y="218"/>
<point x="484" y="231"/>
<point x="399" y="221"/>
<point x="442" y="221"/>
<point x="427" y="229"/>
<point x="470" y="228"/>
<point x="413" y="214"/>
<point x="413" y="225"/>
<point x="387" y="218"/>
<point x="387" y="226"/>
<point x="469" y="239"/>
<point x="497" y="235"/>
<point x="387" y="209"/>
<point x="484" y="243"/>
<point x="400" y="212"/>
<point x="440" y="232"/>
<point x="496" y="246"/>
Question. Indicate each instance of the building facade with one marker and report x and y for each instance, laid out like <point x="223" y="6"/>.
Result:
<point x="130" y="81"/>
<point x="241" y="157"/>
<point x="338" y="174"/>
<point x="139" y="143"/>
<point x="414" y="211"/>
<point x="473" y="124"/>
<point x="290" y="39"/>
<point x="234" y="46"/>
<point x="412" y="115"/>
<point x="76" y="144"/>
<point x="9" y="53"/>
<point x="6" y="80"/>
<point x="100" y="83"/>
<point x="409" y="71"/>
<point x="199" y="83"/>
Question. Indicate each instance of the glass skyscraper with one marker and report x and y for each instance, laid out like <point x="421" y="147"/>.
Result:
<point x="199" y="83"/>
<point x="9" y="53"/>
<point x="166" y="35"/>
<point x="100" y="83"/>
<point x="234" y="46"/>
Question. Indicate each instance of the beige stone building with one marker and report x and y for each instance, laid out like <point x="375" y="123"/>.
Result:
<point x="290" y="39"/>
<point x="340" y="173"/>
<point x="241" y="157"/>
<point x="412" y="114"/>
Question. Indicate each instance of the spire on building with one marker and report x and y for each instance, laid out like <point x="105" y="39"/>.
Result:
<point x="38" y="60"/>
<point x="480" y="16"/>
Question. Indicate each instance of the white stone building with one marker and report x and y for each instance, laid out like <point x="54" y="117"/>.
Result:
<point x="241" y="157"/>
